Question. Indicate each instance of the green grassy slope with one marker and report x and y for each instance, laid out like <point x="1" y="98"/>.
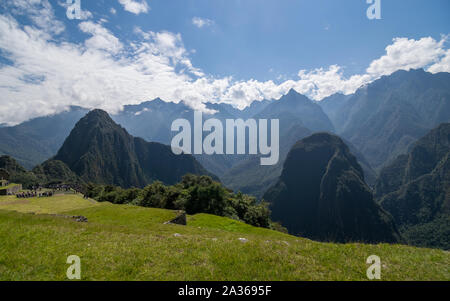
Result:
<point x="124" y="242"/>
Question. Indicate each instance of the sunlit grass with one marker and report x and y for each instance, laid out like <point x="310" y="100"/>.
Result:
<point x="124" y="242"/>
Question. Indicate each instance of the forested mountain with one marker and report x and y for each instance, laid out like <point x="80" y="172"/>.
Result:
<point x="49" y="172"/>
<point x="321" y="195"/>
<point x="378" y="122"/>
<point x="415" y="189"/>
<point x="384" y="118"/>
<point x="152" y="121"/>
<point x="299" y="118"/>
<point x="250" y="177"/>
<point x="100" y="151"/>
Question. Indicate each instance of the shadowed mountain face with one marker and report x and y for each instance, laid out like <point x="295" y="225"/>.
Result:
<point x="35" y="141"/>
<point x="11" y="165"/>
<point x="249" y="177"/>
<point x="385" y="117"/>
<point x="415" y="189"/>
<point x="55" y="172"/>
<point x="321" y="195"/>
<point x="100" y="151"/>
<point x="49" y="172"/>
<point x="16" y="173"/>
<point x="299" y="117"/>
<point x="152" y="121"/>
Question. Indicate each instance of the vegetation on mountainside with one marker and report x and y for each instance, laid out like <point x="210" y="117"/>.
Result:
<point x="384" y="118"/>
<point x="321" y="195"/>
<point x="194" y="194"/>
<point x="100" y="151"/>
<point x="47" y="173"/>
<point x="415" y="189"/>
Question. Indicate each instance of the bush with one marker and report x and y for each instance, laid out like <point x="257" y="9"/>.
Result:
<point x="194" y="194"/>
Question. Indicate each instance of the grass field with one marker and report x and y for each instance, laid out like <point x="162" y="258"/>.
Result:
<point x="8" y="186"/>
<point x="123" y="242"/>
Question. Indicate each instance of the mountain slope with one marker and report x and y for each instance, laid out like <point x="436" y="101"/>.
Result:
<point x="321" y="195"/>
<point x="55" y="172"/>
<point x="100" y="151"/>
<point x="17" y="173"/>
<point x="297" y="109"/>
<point x="34" y="141"/>
<point x="415" y="189"/>
<point x="249" y="177"/>
<point x="385" y="117"/>
<point x="299" y="117"/>
<point x="207" y="248"/>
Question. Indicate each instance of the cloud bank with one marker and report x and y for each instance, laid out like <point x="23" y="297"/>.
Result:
<point x="41" y="75"/>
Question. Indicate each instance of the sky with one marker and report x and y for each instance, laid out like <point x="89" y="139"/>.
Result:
<point x="118" y="52"/>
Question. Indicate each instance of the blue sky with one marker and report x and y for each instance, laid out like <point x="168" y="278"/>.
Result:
<point x="244" y="50"/>
<point x="264" y="38"/>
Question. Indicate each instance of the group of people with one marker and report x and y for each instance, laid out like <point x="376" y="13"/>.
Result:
<point x="33" y="194"/>
<point x="38" y="191"/>
<point x="65" y="188"/>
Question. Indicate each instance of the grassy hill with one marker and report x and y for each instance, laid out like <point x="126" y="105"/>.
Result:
<point x="124" y="242"/>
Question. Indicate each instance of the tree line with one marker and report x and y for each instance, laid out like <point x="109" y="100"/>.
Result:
<point x="194" y="194"/>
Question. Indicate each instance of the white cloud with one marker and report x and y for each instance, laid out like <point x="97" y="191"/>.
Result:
<point x="101" y="39"/>
<point x="40" y="12"/>
<point x="406" y="54"/>
<point x="113" y="11"/>
<point x="87" y="75"/>
<point x="443" y="65"/>
<point x="402" y="54"/>
<point x="135" y="6"/>
<point x="202" y="22"/>
<point x="104" y="72"/>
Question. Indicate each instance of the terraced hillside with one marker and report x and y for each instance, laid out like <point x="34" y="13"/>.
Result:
<point x="124" y="242"/>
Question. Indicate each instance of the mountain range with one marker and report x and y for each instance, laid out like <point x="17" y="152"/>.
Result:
<point x="321" y="194"/>
<point x="415" y="189"/>
<point x="383" y="118"/>
<point x="99" y="150"/>
<point x="321" y="186"/>
<point x="378" y="122"/>
<point x="38" y="139"/>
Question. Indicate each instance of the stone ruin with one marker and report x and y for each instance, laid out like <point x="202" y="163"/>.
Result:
<point x="179" y="220"/>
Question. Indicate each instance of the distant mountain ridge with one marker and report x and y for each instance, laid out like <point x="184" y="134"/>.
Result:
<point x="415" y="189"/>
<point x="38" y="139"/>
<point x="321" y="195"/>
<point x="99" y="150"/>
<point x="295" y="108"/>
<point x="152" y="121"/>
<point x="383" y="118"/>
<point x="379" y="122"/>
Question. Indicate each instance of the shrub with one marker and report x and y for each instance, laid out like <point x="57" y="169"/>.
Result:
<point x="194" y="194"/>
